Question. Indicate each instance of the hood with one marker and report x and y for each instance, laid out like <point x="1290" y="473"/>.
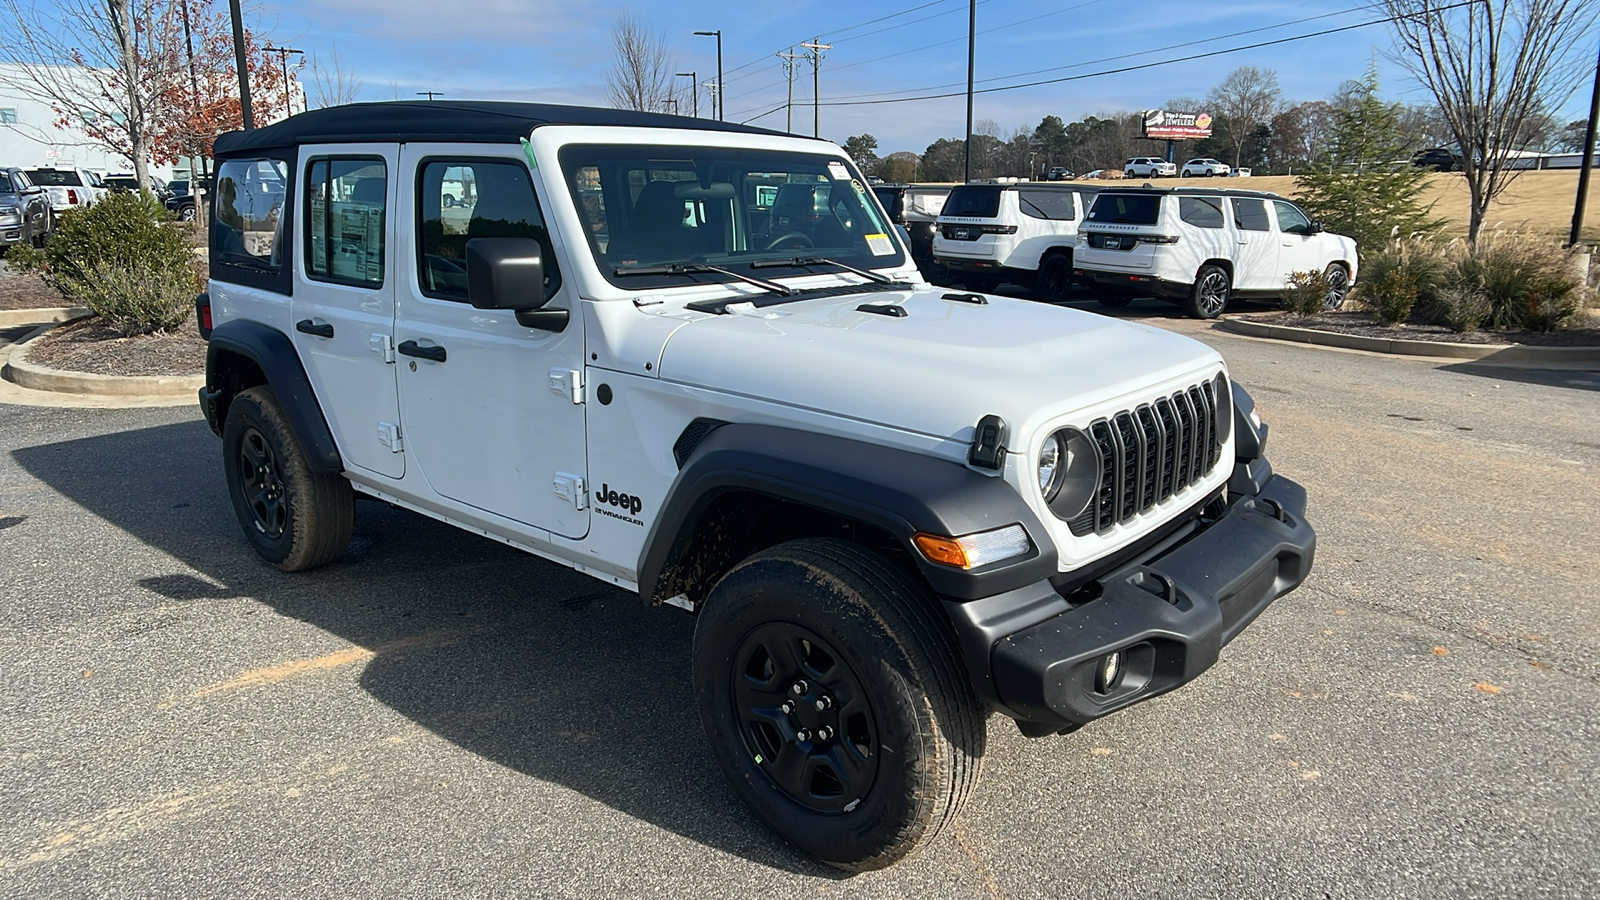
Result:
<point x="937" y="370"/>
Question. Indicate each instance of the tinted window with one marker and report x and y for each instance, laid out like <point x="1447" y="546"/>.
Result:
<point x="247" y="224"/>
<point x="1041" y="204"/>
<point x="54" y="178"/>
<point x="1202" y="212"/>
<point x="6" y="187"/>
<point x="1126" y="209"/>
<point x="1251" y="214"/>
<point x="345" y="204"/>
<point x="891" y="199"/>
<point x="981" y="200"/>
<point x="462" y="200"/>
<point x="1290" y="218"/>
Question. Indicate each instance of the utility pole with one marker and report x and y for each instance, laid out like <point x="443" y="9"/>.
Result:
<point x="694" y="90"/>
<point x="816" y="47"/>
<point x="718" y="34"/>
<point x="972" y="57"/>
<point x="788" y="70"/>
<point x="430" y="94"/>
<point x="244" y="72"/>
<point x="283" y="54"/>
<point x="196" y="180"/>
<point x="1588" y="162"/>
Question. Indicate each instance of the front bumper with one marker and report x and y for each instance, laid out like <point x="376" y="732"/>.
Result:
<point x="1038" y="657"/>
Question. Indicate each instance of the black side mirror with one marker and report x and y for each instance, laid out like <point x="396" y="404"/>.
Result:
<point x="508" y="273"/>
<point x="1314" y="228"/>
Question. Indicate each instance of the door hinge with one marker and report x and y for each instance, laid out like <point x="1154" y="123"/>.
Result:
<point x="389" y="436"/>
<point x="568" y="383"/>
<point x="383" y="345"/>
<point x="571" y="487"/>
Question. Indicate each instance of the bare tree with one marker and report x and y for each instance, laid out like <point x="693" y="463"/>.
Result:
<point x="1247" y="98"/>
<point x="1493" y="67"/>
<point x="104" y="66"/>
<point x="331" y="83"/>
<point x="641" y="75"/>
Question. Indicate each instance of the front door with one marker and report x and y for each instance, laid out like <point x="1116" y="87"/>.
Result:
<point x="342" y="313"/>
<point x="491" y="413"/>
<point x="1299" y="249"/>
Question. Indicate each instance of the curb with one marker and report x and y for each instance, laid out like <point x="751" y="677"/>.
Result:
<point x="39" y="378"/>
<point x="1401" y="347"/>
<point x="53" y="315"/>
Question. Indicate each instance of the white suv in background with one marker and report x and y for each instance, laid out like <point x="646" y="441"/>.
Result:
<point x="1205" y="168"/>
<point x="1149" y="167"/>
<point x="1202" y="246"/>
<point x="1021" y="232"/>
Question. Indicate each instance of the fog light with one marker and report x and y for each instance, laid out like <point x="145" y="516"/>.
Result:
<point x="1110" y="670"/>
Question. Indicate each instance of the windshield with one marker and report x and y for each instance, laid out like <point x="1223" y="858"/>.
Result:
<point x="982" y="201"/>
<point x="54" y="178"/>
<point x="729" y="207"/>
<point x="1125" y="209"/>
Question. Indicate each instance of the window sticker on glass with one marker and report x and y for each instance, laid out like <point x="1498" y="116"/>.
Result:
<point x="838" y="171"/>
<point x="880" y="245"/>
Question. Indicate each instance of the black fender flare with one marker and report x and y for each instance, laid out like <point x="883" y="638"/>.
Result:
<point x="274" y="354"/>
<point x="898" y="491"/>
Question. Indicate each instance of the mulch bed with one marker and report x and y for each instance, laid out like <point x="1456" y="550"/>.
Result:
<point x="1361" y="323"/>
<point x="89" y="346"/>
<point x="28" y="292"/>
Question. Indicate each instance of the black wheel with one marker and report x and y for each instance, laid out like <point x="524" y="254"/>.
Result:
<point x="295" y="518"/>
<point x="835" y="699"/>
<point x="1114" y="299"/>
<point x="983" y="284"/>
<point x="1054" y="281"/>
<point x="1338" y="286"/>
<point x="1212" y="288"/>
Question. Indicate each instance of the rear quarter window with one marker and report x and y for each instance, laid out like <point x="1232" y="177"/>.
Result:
<point x="981" y="201"/>
<point x="1201" y="212"/>
<point x="1053" y="205"/>
<point x="1126" y="209"/>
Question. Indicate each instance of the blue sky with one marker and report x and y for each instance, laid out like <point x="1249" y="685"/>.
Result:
<point x="560" y="51"/>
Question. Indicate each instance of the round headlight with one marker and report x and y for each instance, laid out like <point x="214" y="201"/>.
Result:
<point x="1049" y="465"/>
<point x="1075" y="477"/>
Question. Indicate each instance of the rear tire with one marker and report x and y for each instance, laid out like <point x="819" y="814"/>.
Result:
<point x="1054" y="281"/>
<point x="983" y="284"/>
<point x="1210" y="294"/>
<point x="878" y="771"/>
<point x="294" y="517"/>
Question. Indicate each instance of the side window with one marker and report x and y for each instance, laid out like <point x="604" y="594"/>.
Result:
<point x="345" y="204"/>
<point x="1290" y="218"/>
<point x="459" y="200"/>
<point x="1201" y="212"/>
<point x="247" y="221"/>
<point x="1251" y="214"/>
<point x="1054" y="205"/>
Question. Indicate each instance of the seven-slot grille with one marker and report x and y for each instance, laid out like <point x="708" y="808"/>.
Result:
<point x="1150" y="453"/>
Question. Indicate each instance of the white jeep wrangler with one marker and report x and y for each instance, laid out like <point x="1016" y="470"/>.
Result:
<point x="695" y="360"/>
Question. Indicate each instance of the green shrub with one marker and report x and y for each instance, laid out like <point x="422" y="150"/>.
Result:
<point x="1461" y="309"/>
<point x="1421" y="260"/>
<point x="1391" y="296"/>
<point x="122" y="259"/>
<point x="1530" y="282"/>
<point x="1306" y="294"/>
<point x="24" y="259"/>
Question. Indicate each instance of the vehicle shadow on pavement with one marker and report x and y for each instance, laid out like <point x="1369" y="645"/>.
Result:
<point x="521" y="661"/>
<point x="1579" y="379"/>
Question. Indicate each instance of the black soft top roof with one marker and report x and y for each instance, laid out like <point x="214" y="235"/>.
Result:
<point x="441" y="120"/>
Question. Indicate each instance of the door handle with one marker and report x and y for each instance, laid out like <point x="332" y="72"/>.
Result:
<point x="411" y="348"/>
<point x="306" y="326"/>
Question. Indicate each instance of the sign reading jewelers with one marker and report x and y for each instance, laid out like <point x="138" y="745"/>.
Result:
<point x="1176" y="126"/>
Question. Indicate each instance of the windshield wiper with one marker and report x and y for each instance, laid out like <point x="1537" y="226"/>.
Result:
<point x="697" y="268"/>
<point x="801" y="262"/>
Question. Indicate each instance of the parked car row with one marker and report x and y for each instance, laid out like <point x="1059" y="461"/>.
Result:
<point x="25" y="213"/>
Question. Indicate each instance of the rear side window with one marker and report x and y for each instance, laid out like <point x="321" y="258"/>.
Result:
<point x="345" y="204"/>
<point x="1126" y="209"/>
<point x="1251" y="214"/>
<point x="979" y="200"/>
<point x="459" y="200"/>
<point x="1201" y="212"/>
<point x="1055" y="205"/>
<point x="247" y="222"/>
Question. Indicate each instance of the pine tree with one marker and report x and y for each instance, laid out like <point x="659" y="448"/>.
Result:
<point x="1363" y="185"/>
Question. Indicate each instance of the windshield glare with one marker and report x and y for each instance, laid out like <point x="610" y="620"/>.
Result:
<point x="729" y="207"/>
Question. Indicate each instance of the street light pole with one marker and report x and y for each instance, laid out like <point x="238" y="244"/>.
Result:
<point x="694" y="90"/>
<point x="718" y="34"/>
<point x="816" y="47"/>
<point x="972" y="56"/>
<point x="1588" y="161"/>
<point x="244" y="72"/>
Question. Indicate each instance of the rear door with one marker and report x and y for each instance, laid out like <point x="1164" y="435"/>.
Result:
<point x="343" y="307"/>
<point x="1255" y="261"/>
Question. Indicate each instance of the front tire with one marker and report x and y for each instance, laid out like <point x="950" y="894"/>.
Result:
<point x="1210" y="294"/>
<point x="1338" y="286"/>
<point x="835" y="700"/>
<point x="294" y="517"/>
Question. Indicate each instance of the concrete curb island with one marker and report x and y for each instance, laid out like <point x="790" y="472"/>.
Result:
<point x="38" y="383"/>
<point x="1498" y="353"/>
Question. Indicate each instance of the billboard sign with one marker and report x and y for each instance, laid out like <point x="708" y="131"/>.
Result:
<point x="1164" y="125"/>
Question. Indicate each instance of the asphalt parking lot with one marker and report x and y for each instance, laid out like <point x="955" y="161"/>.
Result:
<point x="437" y="715"/>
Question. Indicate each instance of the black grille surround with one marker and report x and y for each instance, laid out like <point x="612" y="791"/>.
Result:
<point x="1149" y="454"/>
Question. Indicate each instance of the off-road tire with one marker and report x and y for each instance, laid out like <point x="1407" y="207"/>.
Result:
<point x="877" y="629"/>
<point x="295" y="518"/>
<point x="1203" y="297"/>
<point x="1054" y="281"/>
